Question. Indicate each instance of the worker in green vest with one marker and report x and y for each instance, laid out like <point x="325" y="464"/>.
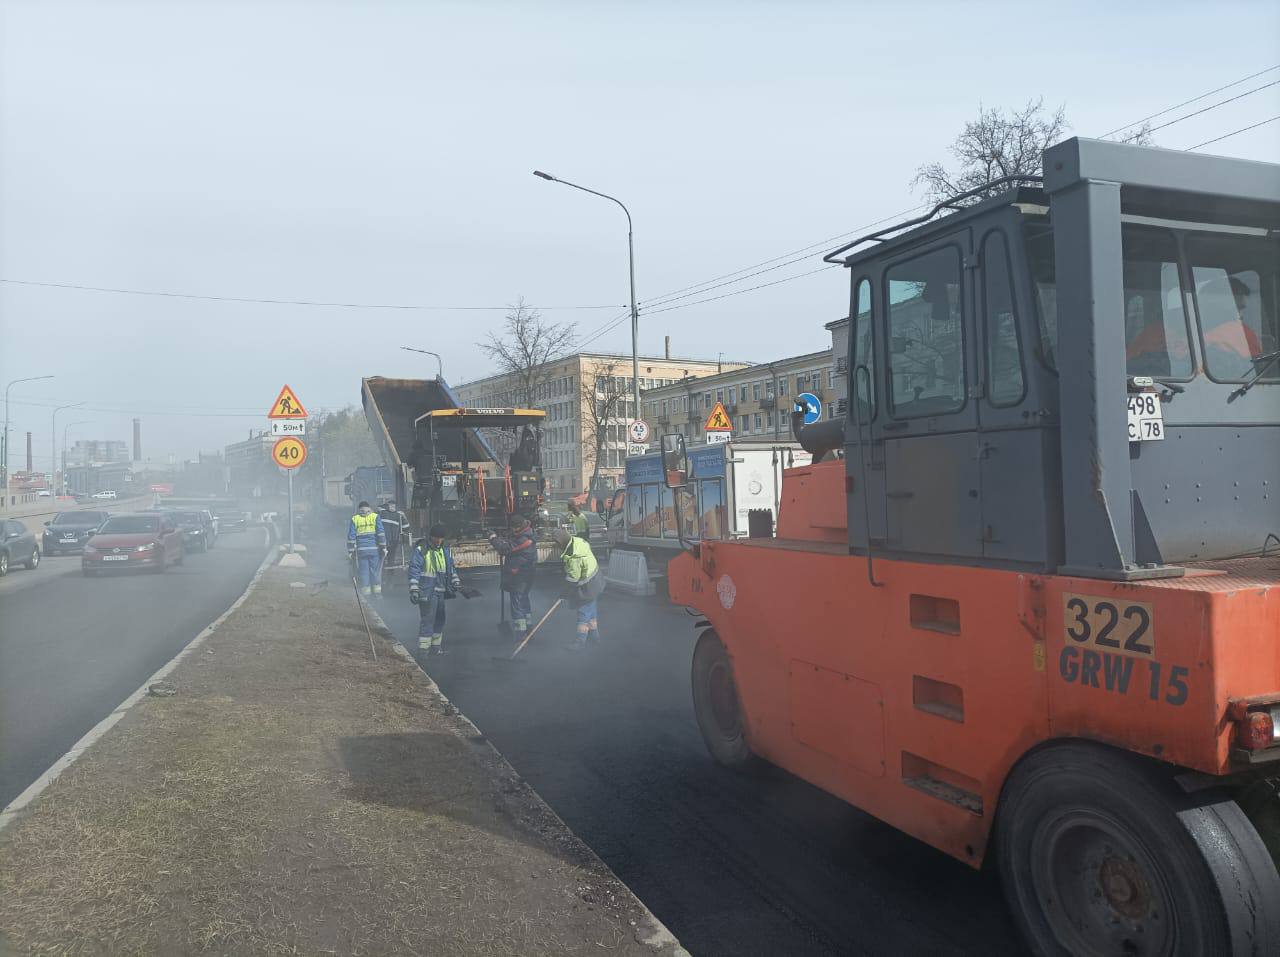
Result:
<point x="576" y="521"/>
<point x="583" y="585"/>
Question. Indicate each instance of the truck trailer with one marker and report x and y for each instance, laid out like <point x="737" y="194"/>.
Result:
<point x="1032" y="616"/>
<point x="727" y="483"/>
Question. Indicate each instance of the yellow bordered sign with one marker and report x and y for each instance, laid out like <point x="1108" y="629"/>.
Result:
<point x="289" y="453"/>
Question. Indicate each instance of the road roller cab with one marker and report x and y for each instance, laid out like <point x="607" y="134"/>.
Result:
<point x="1037" y="598"/>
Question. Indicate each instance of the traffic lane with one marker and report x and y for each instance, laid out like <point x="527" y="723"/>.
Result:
<point x="733" y="863"/>
<point x="21" y="577"/>
<point x="72" y="648"/>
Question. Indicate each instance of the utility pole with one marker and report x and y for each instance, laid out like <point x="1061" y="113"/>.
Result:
<point x="428" y="352"/>
<point x="4" y="453"/>
<point x="53" y="448"/>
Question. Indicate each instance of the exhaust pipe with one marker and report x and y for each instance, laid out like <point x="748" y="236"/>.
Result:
<point x="819" y="439"/>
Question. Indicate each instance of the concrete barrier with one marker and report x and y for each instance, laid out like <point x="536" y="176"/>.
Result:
<point x="629" y="571"/>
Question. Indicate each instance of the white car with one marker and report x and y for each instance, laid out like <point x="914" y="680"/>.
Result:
<point x="107" y="493"/>
<point x="43" y="493"/>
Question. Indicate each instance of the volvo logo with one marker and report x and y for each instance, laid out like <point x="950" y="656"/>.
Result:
<point x="115" y="551"/>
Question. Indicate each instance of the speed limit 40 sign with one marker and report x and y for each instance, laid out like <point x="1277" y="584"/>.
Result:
<point x="289" y="453"/>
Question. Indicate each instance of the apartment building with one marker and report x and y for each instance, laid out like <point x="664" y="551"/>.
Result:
<point x="584" y="394"/>
<point x="757" y="397"/>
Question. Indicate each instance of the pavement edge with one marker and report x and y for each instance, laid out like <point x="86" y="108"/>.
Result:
<point x="14" y="809"/>
<point x="656" y="935"/>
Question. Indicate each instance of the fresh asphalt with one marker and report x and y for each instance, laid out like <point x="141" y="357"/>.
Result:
<point x="732" y="863"/>
<point x="72" y="648"/>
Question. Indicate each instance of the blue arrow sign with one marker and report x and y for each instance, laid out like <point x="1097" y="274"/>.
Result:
<point x="812" y="407"/>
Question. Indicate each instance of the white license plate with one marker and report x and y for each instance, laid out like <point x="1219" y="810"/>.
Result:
<point x="68" y="538"/>
<point x="115" y="558"/>
<point x="1146" y="419"/>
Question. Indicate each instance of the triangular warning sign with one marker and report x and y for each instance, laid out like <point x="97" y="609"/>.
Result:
<point x="287" y="406"/>
<point x="718" y="420"/>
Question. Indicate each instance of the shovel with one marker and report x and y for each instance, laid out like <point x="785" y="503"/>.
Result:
<point x="534" y="630"/>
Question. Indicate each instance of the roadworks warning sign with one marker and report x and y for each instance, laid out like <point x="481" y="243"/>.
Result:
<point x="287" y="406"/>
<point x="718" y="420"/>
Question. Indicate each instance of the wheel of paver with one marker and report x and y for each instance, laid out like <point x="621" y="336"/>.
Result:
<point x="715" y="703"/>
<point x="34" y="561"/>
<point x="1101" y="854"/>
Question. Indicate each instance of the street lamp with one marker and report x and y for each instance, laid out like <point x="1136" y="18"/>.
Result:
<point x="53" y="447"/>
<point x="631" y="260"/>
<point x="428" y="352"/>
<point x="4" y="458"/>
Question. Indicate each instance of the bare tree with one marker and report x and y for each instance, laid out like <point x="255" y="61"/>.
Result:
<point x="527" y="347"/>
<point x="602" y="391"/>
<point x="998" y="143"/>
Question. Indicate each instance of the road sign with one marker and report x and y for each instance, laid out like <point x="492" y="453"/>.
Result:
<point x="637" y="448"/>
<point x="289" y="453"/>
<point x="812" y="407"/>
<point x="718" y="438"/>
<point x="287" y="406"/>
<point x="638" y="431"/>
<point x="288" y="426"/>
<point x="718" y="420"/>
<point x="162" y="488"/>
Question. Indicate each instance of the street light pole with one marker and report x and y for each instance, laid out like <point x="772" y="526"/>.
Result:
<point x="428" y="352"/>
<point x="53" y="448"/>
<point x="69" y="425"/>
<point x="4" y="456"/>
<point x="631" y="262"/>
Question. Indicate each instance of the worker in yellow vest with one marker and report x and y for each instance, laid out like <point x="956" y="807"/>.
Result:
<point x="583" y="584"/>
<point x="367" y="544"/>
<point x="576" y="521"/>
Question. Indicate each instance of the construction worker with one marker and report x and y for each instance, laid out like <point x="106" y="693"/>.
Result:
<point x="396" y="524"/>
<point x="576" y="520"/>
<point x="519" y="551"/>
<point x="367" y="544"/>
<point x="583" y="584"/>
<point x="432" y="581"/>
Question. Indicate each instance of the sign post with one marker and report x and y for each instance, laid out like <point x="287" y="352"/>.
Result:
<point x="289" y="420"/>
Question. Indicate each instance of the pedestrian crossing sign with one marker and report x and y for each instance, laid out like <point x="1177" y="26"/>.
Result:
<point x="718" y="420"/>
<point x="287" y="406"/>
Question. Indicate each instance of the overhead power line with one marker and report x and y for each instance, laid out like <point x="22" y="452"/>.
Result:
<point x="1194" y="99"/>
<point x="1243" y="129"/>
<point x="1214" y="106"/>
<point x="739" y="292"/>
<point x="282" y="302"/>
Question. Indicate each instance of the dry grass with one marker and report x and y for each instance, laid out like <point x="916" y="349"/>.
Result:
<point x="295" y="798"/>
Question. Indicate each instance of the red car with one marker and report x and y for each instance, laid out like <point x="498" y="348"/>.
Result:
<point x="134" y="541"/>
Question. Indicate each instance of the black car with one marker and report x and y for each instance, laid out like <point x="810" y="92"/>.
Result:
<point x="17" y="546"/>
<point x="232" y="520"/>
<point x="197" y="531"/>
<point x="70" y="530"/>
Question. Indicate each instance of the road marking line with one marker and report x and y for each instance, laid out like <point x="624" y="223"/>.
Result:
<point x="13" y="811"/>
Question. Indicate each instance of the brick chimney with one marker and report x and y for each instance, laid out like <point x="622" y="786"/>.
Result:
<point x="666" y="347"/>
<point x="29" y="469"/>
<point x="137" y="440"/>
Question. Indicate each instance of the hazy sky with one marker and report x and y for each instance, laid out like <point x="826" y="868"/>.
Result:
<point x="381" y="153"/>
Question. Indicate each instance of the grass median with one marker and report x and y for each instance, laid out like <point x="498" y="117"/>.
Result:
<point x="294" y="797"/>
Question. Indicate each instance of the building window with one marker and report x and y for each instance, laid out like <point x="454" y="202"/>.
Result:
<point x="755" y="391"/>
<point x="782" y="386"/>
<point x="757" y="421"/>
<point x="742" y="393"/>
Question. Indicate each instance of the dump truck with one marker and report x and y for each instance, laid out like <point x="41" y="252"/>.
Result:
<point x="445" y="471"/>
<point x="1032" y="615"/>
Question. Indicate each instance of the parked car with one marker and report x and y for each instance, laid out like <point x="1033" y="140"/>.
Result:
<point x="43" y="493"/>
<point x="17" y="546"/>
<point x="197" y="531"/>
<point x="68" y="531"/>
<point x="105" y="494"/>
<point x="147" y="540"/>
<point x="232" y="520"/>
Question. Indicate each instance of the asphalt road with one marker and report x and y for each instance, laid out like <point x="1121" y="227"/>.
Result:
<point x="72" y="648"/>
<point x="734" y="864"/>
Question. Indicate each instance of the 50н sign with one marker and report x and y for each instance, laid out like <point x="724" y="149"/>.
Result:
<point x="1111" y="645"/>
